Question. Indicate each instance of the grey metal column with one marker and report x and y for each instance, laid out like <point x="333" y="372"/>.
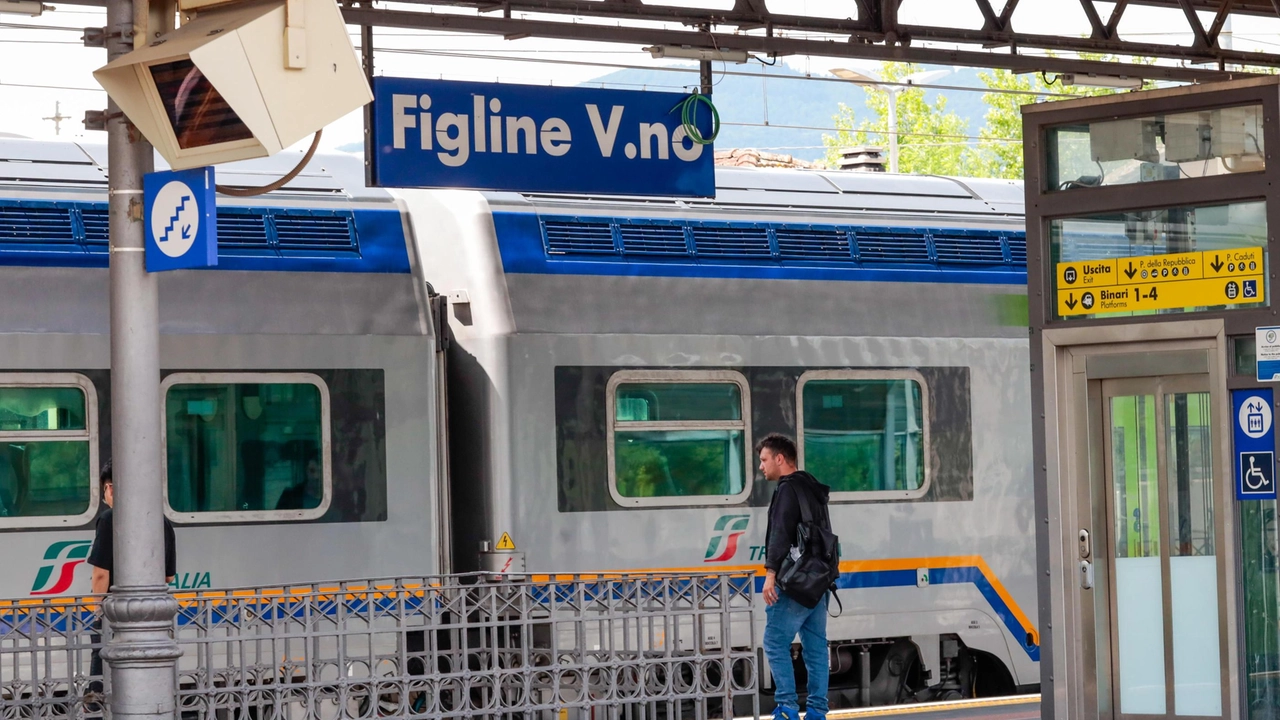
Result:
<point x="142" y="653"/>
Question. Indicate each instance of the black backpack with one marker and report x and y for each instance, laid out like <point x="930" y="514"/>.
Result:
<point x="810" y="569"/>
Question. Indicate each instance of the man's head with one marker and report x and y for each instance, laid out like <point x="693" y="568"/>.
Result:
<point x="777" y="454"/>
<point x="108" y="486"/>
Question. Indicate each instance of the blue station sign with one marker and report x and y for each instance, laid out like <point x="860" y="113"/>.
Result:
<point x="525" y="138"/>
<point x="1255" y="444"/>
<point x="180" y="217"/>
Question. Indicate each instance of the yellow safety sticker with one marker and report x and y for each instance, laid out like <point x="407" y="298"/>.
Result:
<point x="1160" y="282"/>
<point x="504" y="543"/>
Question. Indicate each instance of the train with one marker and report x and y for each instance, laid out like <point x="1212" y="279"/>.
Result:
<point x="378" y="383"/>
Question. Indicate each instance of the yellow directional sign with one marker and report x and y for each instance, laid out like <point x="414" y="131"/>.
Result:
<point x="1233" y="263"/>
<point x="1160" y="282"/>
<point x="1094" y="273"/>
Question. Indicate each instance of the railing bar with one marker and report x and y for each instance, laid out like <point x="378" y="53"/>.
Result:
<point x="282" y="651"/>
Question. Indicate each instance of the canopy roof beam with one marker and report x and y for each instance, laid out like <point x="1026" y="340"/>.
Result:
<point x="872" y="31"/>
<point x="848" y="38"/>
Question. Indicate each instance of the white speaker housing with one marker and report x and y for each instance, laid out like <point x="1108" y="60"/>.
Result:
<point x="240" y="81"/>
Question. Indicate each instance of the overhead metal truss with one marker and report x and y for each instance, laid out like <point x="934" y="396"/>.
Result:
<point x="872" y="31"/>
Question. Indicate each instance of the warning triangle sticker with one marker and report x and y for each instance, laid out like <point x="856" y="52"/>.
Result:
<point x="504" y="543"/>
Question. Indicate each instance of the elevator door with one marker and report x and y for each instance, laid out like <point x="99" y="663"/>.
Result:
<point x="1167" y="654"/>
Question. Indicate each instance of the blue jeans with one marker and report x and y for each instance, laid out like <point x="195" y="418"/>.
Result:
<point x="784" y="619"/>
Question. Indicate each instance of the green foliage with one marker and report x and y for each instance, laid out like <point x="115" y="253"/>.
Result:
<point x="926" y="131"/>
<point x="996" y="156"/>
<point x="678" y="463"/>
<point x="930" y="136"/>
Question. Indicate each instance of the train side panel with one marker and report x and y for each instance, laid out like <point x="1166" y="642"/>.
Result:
<point x="541" y="341"/>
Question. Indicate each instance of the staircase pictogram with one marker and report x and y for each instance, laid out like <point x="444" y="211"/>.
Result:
<point x="182" y="205"/>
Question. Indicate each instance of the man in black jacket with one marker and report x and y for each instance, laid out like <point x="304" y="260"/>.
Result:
<point x="784" y="616"/>
<point x="102" y="559"/>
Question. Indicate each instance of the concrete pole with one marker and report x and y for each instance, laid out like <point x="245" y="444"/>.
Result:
<point x="142" y="654"/>
<point x="893" y="130"/>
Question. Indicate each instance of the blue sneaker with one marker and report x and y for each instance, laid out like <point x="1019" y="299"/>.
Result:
<point x="814" y="715"/>
<point x="783" y="713"/>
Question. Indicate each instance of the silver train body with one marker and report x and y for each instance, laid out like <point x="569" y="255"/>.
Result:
<point x="558" y="304"/>
<point x="295" y="302"/>
<point x="485" y="432"/>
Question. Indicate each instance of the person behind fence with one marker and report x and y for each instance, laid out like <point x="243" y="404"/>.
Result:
<point x="102" y="559"/>
<point x="787" y="616"/>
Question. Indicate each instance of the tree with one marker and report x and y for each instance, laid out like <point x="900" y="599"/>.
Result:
<point x="999" y="152"/>
<point x="930" y="137"/>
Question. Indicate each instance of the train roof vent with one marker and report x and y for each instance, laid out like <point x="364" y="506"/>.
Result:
<point x="652" y="239"/>
<point x="36" y="224"/>
<point x="712" y="241"/>
<point x="1017" y="248"/>
<point x="305" y="231"/>
<point x="96" y="226"/>
<point x="813" y="244"/>
<point x="240" y="229"/>
<point x="898" y="245"/>
<point x="968" y="248"/>
<point x="577" y="236"/>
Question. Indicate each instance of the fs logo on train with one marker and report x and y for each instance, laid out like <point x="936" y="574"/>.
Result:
<point x="59" y="571"/>
<point x="724" y="540"/>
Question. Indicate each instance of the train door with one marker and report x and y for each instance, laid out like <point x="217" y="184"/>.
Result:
<point x="1150" y="560"/>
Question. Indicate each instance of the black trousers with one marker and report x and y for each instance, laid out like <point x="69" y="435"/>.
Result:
<point x="95" y="658"/>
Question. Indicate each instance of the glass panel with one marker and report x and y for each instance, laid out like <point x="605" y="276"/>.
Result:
<point x="1157" y="147"/>
<point x="197" y="111"/>
<point x="679" y="463"/>
<point x="864" y="435"/>
<point x="244" y="447"/>
<point x="1189" y="445"/>
<point x="41" y="408"/>
<point x="668" y="402"/>
<point x="1245" y="351"/>
<point x="43" y="479"/>
<point x="1211" y="257"/>
<point x="1261" y="609"/>
<point x="1139" y="587"/>
<point x="1193" y="581"/>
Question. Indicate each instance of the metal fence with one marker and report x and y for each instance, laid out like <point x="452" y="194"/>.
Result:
<point x="570" y="647"/>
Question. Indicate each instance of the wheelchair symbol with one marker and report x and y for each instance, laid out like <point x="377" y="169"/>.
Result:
<point x="1257" y="477"/>
<point x="1253" y="478"/>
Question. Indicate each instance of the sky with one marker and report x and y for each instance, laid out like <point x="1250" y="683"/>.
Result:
<point x="46" y="71"/>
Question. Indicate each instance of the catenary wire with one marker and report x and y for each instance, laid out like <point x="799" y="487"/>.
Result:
<point x="41" y="42"/>
<point x="900" y="133"/>
<point x="4" y="84"/>
<point x="677" y="69"/>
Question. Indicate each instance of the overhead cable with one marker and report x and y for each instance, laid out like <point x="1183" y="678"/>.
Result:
<point x="678" y="69"/>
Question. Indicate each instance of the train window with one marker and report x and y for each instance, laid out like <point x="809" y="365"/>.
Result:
<point x="678" y="437"/>
<point x="246" y="447"/>
<point x="48" y="450"/>
<point x="865" y="433"/>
